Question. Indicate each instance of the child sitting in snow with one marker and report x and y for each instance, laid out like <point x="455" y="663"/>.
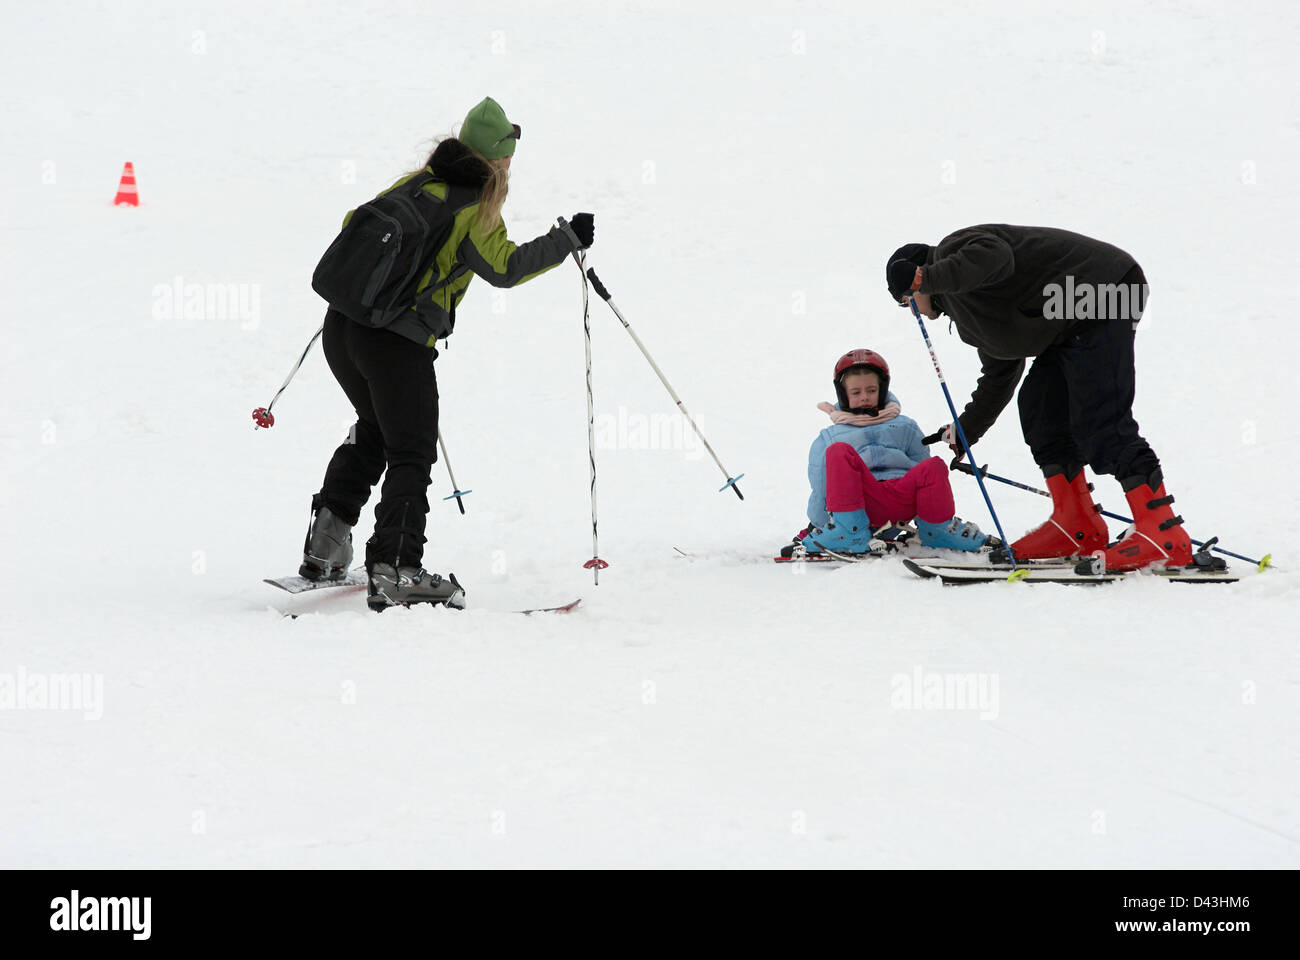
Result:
<point x="870" y="469"/>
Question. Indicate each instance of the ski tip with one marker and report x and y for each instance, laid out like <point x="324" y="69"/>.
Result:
<point x="918" y="569"/>
<point x="563" y="608"/>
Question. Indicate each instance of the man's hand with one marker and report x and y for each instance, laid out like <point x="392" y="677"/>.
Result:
<point x="947" y="434"/>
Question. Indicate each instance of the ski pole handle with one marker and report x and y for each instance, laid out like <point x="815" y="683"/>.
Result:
<point x="967" y="468"/>
<point x="945" y="434"/>
<point x="600" y="287"/>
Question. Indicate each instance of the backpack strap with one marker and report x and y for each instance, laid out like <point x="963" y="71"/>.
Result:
<point x="458" y="198"/>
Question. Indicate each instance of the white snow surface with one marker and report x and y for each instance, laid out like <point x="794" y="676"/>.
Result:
<point x="751" y="166"/>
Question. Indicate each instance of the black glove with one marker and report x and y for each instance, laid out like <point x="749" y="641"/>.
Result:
<point x="900" y="275"/>
<point x="584" y="226"/>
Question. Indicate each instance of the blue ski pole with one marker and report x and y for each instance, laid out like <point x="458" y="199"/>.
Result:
<point x="961" y="434"/>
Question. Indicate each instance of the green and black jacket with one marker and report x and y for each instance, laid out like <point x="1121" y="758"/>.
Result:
<point x="470" y="250"/>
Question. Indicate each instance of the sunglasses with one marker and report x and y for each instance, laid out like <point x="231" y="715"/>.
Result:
<point x="512" y="135"/>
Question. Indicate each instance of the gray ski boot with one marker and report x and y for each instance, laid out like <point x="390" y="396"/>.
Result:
<point x="400" y="586"/>
<point x="327" y="551"/>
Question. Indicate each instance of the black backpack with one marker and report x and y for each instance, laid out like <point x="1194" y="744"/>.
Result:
<point x="371" y="270"/>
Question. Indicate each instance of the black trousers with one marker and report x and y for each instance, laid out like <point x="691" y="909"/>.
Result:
<point x="391" y="385"/>
<point x="1076" y="402"/>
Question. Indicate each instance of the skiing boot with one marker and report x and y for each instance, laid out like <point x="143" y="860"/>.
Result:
<point x="954" y="534"/>
<point x="1075" y="527"/>
<point x="1156" y="537"/>
<point x="327" y="551"/>
<point x="391" y="586"/>
<point x="795" y="547"/>
<point x="847" y="532"/>
<point x="893" y="537"/>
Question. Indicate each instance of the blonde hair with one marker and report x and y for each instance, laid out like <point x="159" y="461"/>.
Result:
<point x="493" y="197"/>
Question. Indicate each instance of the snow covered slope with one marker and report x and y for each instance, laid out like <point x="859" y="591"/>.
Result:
<point x="750" y="167"/>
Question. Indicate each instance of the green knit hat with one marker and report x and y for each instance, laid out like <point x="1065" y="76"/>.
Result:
<point x="487" y="130"/>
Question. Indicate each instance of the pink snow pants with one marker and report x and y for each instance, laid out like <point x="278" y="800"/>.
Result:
<point x="922" y="492"/>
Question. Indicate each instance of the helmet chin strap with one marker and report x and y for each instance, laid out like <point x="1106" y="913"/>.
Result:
<point x="869" y="411"/>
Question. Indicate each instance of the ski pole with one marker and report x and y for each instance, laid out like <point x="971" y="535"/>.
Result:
<point x="605" y="295"/>
<point x="984" y="471"/>
<point x="457" y="492"/>
<point x="262" y="415"/>
<point x="595" y="564"/>
<point x="961" y="434"/>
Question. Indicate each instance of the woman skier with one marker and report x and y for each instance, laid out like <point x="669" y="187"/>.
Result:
<point x="388" y="373"/>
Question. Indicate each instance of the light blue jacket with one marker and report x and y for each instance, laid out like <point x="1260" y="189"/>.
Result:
<point x="889" y="450"/>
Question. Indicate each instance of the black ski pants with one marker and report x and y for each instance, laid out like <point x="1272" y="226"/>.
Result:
<point x="1076" y="402"/>
<point x="391" y="385"/>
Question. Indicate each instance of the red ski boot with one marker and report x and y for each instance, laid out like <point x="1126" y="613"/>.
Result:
<point x="1075" y="527"/>
<point x="1157" y="537"/>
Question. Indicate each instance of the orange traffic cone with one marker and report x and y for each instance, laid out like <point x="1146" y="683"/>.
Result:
<point x="126" y="192"/>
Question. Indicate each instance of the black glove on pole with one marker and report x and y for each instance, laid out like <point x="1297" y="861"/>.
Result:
<point x="584" y="226"/>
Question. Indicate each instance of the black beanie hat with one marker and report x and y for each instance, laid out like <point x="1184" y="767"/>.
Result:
<point x="914" y="253"/>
